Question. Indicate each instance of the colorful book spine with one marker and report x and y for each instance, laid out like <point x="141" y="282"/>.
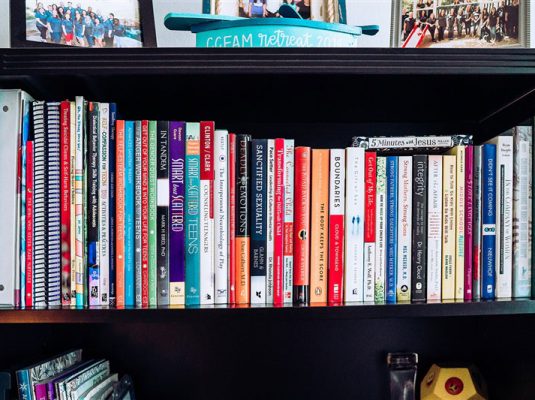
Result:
<point x="278" y="218"/>
<point x="207" y="274"/>
<point x="193" y="261"/>
<point x="153" y="247"/>
<point x="391" y="227"/>
<point x="460" y="179"/>
<point x="137" y="213"/>
<point x="449" y="186"/>
<point x="419" y="228"/>
<point x="232" y="218"/>
<point x="221" y="216"/>
<point x="353" y="281"/>
<point x="336" y="226"/>
<point x="380" y="231"/>
<point x="29" y="224"/>
<point x="20" y="299"/>
<point x="112" y="217"/>
<point x="319" y="217"/>
<point x="177" y="153"/>
<point x="120" y="212"/>
<point x="434" y="228"/>
<point x="270" y="214"/>
<point x="488" y="222"/>
<point x="65" y="136"/>
<point x="258" y="220"/>
<point x="404" y="229"/>
<point x="162" y="211"/>
<point x="301" y="239"/>
<point x="243" y="228"/>
<point x="289" y="146"/>
<point x="104" y="203"/>
<point x="72" y="179"/>
<point x="144" y="213"/>
<point x="477" y="228"/>
<point x="370" y="193"/>
<point x="79" y="199"/>
<point x="130" y="231"/>
<point x="468" y="221"/>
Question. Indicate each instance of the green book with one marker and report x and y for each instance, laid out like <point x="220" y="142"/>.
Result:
<point x="153" y="269"/>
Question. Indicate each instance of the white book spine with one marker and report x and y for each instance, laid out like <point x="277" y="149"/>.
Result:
<point x="269" y="216"/>
<point x="380" y="231"/>
<point x="354" y="224"/>
<point x="103" y="204"/>
<point x="207" y="281"/>
<point x="434" y="228"/>
<point x="288" y="180"/>
<point x="370" y="211"/>
<point x="221" y="215"/>
<point x="72" y="142"/>
<point x="404" y="228"/>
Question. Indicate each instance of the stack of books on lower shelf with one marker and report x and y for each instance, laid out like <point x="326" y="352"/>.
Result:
<point x="101" y="211"/>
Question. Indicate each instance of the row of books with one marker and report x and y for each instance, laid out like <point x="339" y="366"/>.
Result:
<point x="67" y="376"/>
<point x="150" y="213"/>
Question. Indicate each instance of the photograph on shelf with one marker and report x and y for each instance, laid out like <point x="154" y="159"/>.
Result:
<point x="87" y="23"/>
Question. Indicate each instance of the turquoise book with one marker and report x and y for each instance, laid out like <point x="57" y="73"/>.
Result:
<point x="193" y="261"/>
<point x="129" y="283"/>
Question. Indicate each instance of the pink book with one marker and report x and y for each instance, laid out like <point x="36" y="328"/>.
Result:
<point x="468" y="221"/>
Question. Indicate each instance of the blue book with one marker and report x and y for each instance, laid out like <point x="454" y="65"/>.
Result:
<point x="129" y="185"/>
<point x="488" y="221"/>
<point x="391" y="227"/>
<point x="111" y="204"/>
<point x="193" y="256"/>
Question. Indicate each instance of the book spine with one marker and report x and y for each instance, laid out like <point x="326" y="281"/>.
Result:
<point x="112" y="220"/>
<point x="221" y="216"/>
<point x="207" y="275"/>
<point x="193" y="165"/>
<point x="521" y="171"/>
<point x="29" y="225"/>
<point x="24" y="385"/>
<point x="162" y="211"/>
<point x="289" y="145"/>
<point x="79" y="199"/>
<point x="477" y="231"/>
<point x="419" y="228"/>
<point x="270" y="224"/>
<point x="20" y="263"/>
<point x="468" y="221"/>
<point x="258" y="220"/>
<point x="137" y="213"/>
<point x="243" y="228"/>
<point x="336" y="226"/>
<point x="370" y="213"/>
<point x="144" y="213"/>
<point x="232" y="218"/>
<point x="301" y="239"/>
<point x="153" y="251"/>
<point x="449" y="241"/>
<point x="380" y="231"/>
<point x="177" y="188"/>
<point x="488" y="222"/>
<point x="319" y="217"/>
<point x="65" y="110"/>
<point x="104" y="204"/>
<point x="434" y="229"/>
<point x="391" y="227"/>
<point x="40" y="390"/>
<point x="353" y="281"/>
<point x="278" y="218"/>
<point x="404" y="229"/>
<point x="459" y="221"/>
<point x="72" y="179"/>
<point x="130" y="214"/>
<point x="120" y="213"/>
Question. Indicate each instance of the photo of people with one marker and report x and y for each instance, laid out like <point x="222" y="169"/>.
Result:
<point x="460" y="23"/>
<point x="90" y="23"/>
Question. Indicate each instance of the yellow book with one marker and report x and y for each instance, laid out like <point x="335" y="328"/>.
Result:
<point x="460" y="153"/>
<point x="449" y="189"/>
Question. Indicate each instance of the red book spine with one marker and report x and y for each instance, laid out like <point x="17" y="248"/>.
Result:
<point x="278" y="245"/>
<point x="29" y="225"/>
<point x="336" y="226"/>
<point x="369" y="211"/>
<point x="302" y="225"/>
<point x="145" y="213"/>
<point x="65" y="158"/>
<point x="468" y="222"/>
<point x="232" y="217"/>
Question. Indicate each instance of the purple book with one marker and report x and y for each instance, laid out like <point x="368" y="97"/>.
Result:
<point x="177" y="152"/>
<point x="468" y="221"/>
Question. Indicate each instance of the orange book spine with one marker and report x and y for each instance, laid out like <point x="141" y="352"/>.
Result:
<point x="319" y="226"/>
<point x="119" y="213"/>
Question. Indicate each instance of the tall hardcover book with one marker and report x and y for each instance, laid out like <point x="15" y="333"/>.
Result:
<point x="404" y="229"/>
<point x="104" y="203"/>
<point x="336" y="226"/>
<point x="221" y="216"/>
<point x="354" y="224"/>
<point x="391" y="228"/>
<point x="112" y="220"/>
<point x="449" y="186"/>
<point x="289" y="146"/>
<point x="270" y="219"/>
<point x="504" y="215"/>
<point x="137" y="213"/>
<point x="232" y="218"/>
<point x="301" y="239"/>
<point x="153" y="247"/>
<point x="120" y="213"/>
<point x="380" y="231"/>
<point x="468" y="221"/>
<point x="207" y="212"/>
<point x="65" y="160"/>
<point x="29" y="225"/>
<point x="243" y="228"/>
<point x="488" y="221"/>
<point x="278" y="220"/>
<point x="145" y="213"/>
<point x="434" y="228"/>
<point x="477" y="228"/>
<point x="193" y="169"/>
<point x="177" y="150"/>
<point x="370" y="213"/>
<point x="419" y="228"/>
<point x="130" y="231"/>
<point x="162" y="212"/>
<point x="258" y="220"/>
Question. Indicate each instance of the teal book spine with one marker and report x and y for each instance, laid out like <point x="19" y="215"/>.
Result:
<point x="193" y="260"/>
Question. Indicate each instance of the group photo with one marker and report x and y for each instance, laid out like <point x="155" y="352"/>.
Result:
<point x="92" y="23"/>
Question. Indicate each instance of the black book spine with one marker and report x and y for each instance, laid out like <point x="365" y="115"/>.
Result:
<point x="419" y="228"/>
<point x="111" y="191"/>
<point x="162" y="214"/>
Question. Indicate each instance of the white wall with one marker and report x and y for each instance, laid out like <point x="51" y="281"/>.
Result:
<point x="165" y="37"/>
<point x="5" y="24"/>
